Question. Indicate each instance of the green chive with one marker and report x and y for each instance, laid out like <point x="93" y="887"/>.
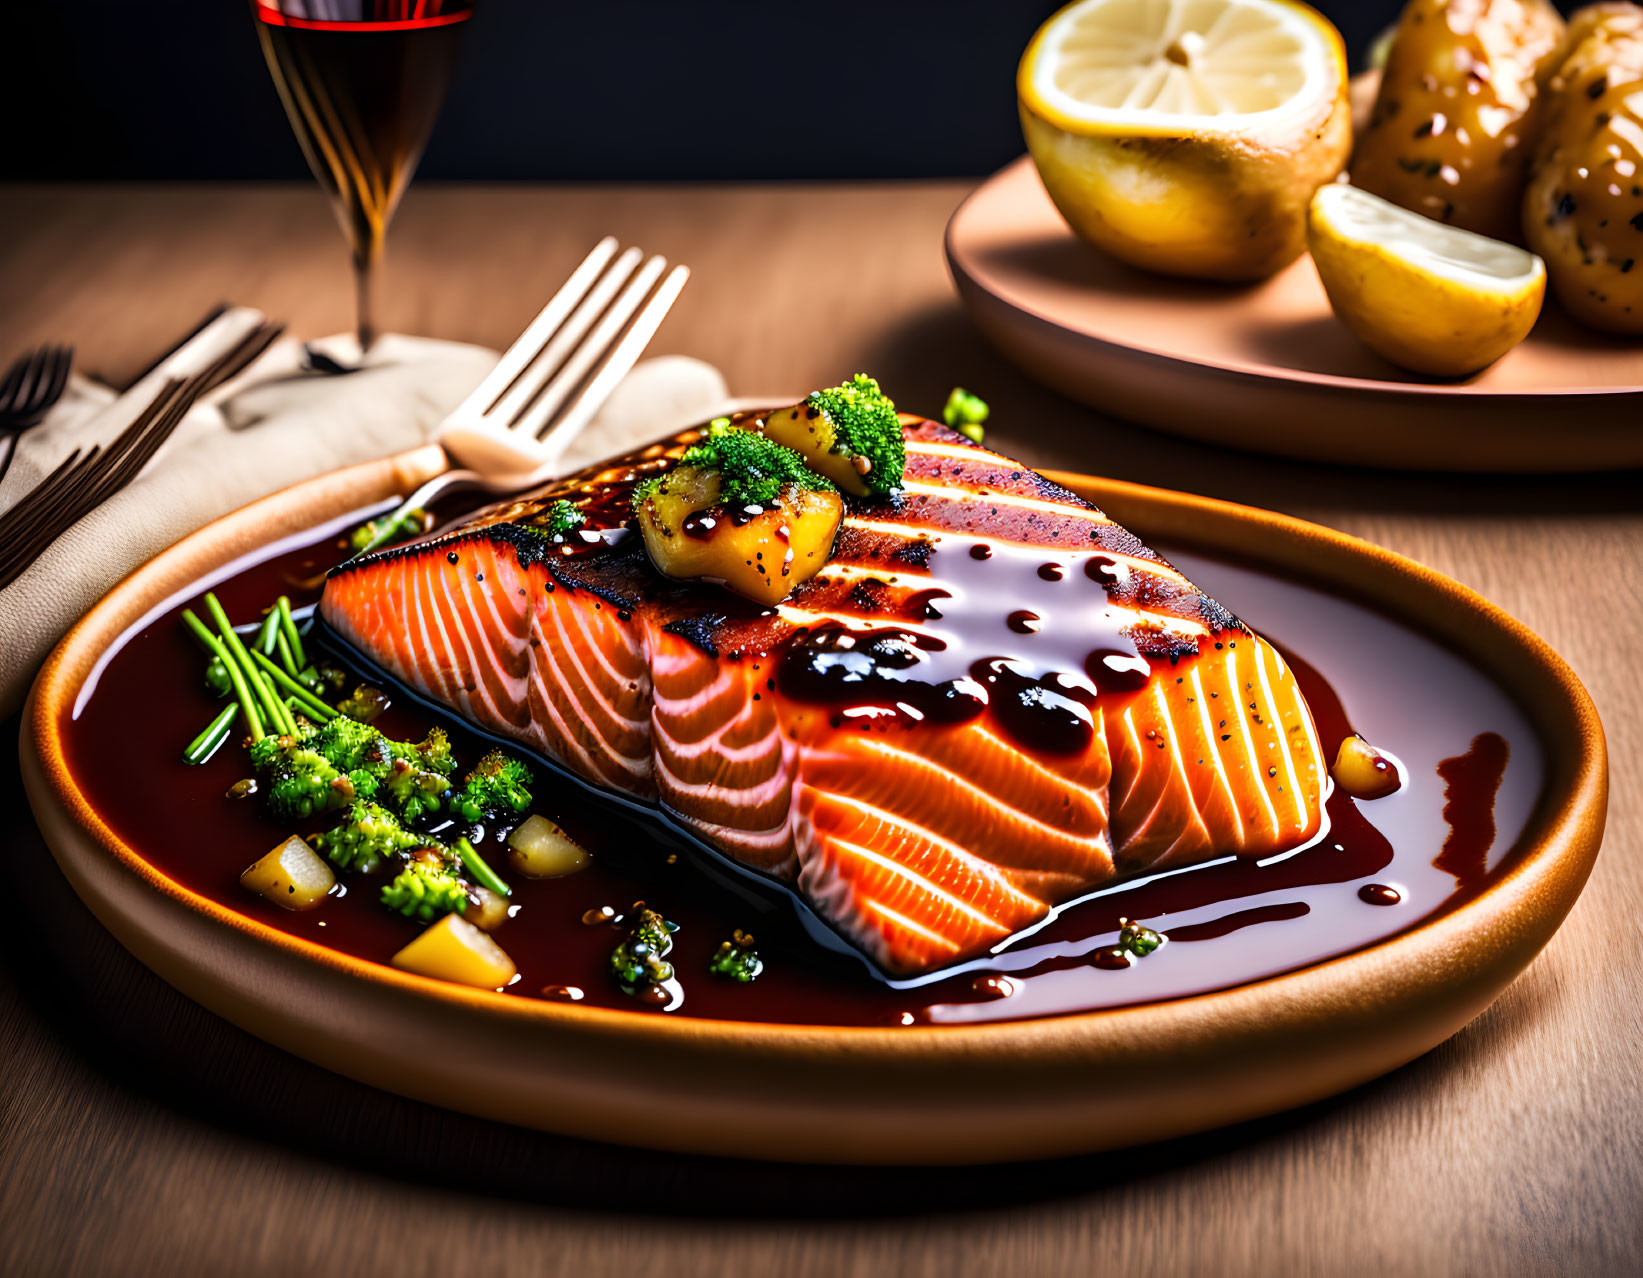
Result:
<point x="213" y="645"/>
<point x="287" y="660"/>
<point x="288" y="627"/>
<point x="477" y="867"/>
<point x="208" y="641"/>
<point x="311" y="705"/>
<point x="277" y="713"/>
<point x="264" y="642"/>
<point x="206" y="744"/>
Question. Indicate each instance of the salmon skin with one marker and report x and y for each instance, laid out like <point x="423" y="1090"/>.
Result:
<point x="992" y="700"/>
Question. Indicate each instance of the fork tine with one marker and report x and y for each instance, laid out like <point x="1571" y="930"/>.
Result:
<point x="52" y="511"/>
<point x="518" y="357"/>
<point x="33" y="373"/>
<point x="73" y="491"/>
<point x="13" y="379"/>
<point x="47" y="388"/>
<point x="59" y="373"/>
<point x="592" y="350"/>
<point x="565" y="342"/>
<point x="623" y="356"/>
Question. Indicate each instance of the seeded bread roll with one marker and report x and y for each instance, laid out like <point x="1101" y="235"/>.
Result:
<point x="1583" y="210"/>
<point x="1453" y="126"/>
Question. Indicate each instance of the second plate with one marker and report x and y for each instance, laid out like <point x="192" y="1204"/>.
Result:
<point x="1267" y="366"/>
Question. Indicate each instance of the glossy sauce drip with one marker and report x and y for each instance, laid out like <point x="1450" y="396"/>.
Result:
<point x="925" y="605"/>
<point x="700" y="524"/>
<point x="1289" y="912"/>
<point x="1238" y="920"/>
<point x="1023" y="638"/>
<point x="604" y="497"/>
<point x="1470" y="782"/>
<point x="1106" y="571"/>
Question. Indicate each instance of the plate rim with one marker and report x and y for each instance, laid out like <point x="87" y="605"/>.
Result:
<point x="1379" y="387"/>
<point x="1533" y="896"/>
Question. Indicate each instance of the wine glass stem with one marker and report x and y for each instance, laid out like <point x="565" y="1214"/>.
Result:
<point x="364" y="310"/>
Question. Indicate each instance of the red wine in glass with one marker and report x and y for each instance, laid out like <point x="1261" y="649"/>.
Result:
<point x="362" y="82"/>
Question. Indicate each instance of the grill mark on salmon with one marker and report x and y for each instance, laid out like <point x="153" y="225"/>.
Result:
<point x="922" y="841"/>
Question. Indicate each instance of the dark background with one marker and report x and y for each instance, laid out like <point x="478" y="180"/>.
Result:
<point x="548" y="89"/>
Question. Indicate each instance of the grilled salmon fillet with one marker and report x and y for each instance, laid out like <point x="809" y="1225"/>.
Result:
<point x="992" y="700"/>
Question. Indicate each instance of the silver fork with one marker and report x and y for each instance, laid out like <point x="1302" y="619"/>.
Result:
<point x="29" y="390"/>
<point x="510" y="434"/>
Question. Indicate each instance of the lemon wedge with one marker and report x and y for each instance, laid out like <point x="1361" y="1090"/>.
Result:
<point x="1186" y="136"/>
<point x="1430" y="297"/>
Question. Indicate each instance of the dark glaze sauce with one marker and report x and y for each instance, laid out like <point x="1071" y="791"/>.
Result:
<point x="1040" y="681"/>
<point x="1226" y="922"/>
<point x="1470" y="783"/>
<point x="604" y="497"/>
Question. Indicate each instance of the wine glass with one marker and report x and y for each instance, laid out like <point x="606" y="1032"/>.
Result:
<point x="362" y="82"/>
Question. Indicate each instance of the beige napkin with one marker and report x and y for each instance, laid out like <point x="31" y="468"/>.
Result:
<point x="271" y="427"/>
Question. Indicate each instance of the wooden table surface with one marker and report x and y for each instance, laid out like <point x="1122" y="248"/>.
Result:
<point x="141" y="1135"/>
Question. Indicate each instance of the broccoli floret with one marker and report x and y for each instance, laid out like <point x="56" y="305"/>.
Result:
<point x="498" y="783"/>
<point x="349" y="744"/>
<point x="415" y="792"/>
<point x="320" y="769"/>
<point x="736" y="959"/>
<point x="433" y="752"/>
<point x="751" y="468"/>
<point x="303" y="782"/>
<point x="385" y="530"/>
<point x="269" y="751"/>
<point x="370" y="835"/>
<point x="418" y="778"/>
<point x="865" y="425"/>
<point x="641" y="959"/>
<point x="965" y="413"/>
<point x="426" y="888"/>
<point x="556" y="519"/>
<point x="1137" y="939"/>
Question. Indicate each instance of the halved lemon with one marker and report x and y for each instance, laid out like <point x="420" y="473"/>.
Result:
<point x="1430" y="297"/>
<point x="1186" y="136"/>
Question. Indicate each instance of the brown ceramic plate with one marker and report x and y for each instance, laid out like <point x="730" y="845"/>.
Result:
<point x="1268" y="367"/>
<point x="917" y="1095"/>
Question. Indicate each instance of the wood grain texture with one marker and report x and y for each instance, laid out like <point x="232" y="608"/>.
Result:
<point x="140" y="1135"/>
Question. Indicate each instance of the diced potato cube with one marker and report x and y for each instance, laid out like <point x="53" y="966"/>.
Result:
<point x="455" y="950"/>
<point x="541" y="850"/>
<point x="762" y="553"/>
<point x="1365" y="772"/>
<point x="811" y="435"/>
<point x="292" y="876"/>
